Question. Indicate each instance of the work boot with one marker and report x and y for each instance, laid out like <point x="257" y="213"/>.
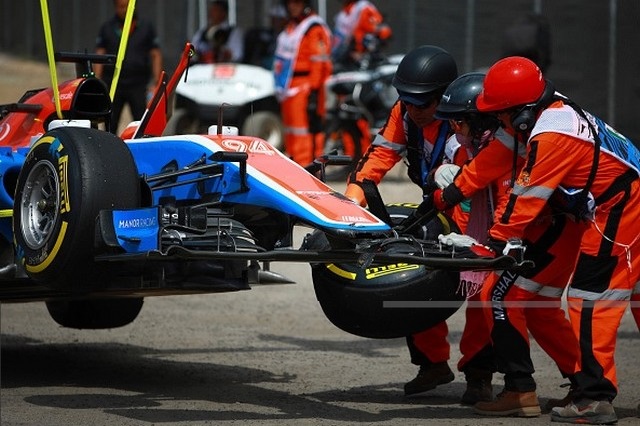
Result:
<point x="429" y="377"/>
<point x="478" y="386"/>
<point x="552" y="403"/>
<point x="510" y="403"/>
<point x="585" y="411"/>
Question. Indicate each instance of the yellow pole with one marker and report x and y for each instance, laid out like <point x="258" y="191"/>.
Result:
<point x="123" y="46"/>
<point x="46" y="23"/>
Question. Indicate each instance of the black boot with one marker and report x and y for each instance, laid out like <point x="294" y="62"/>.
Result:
<point x="478" y="386"/>
<point x="429" y="377"/>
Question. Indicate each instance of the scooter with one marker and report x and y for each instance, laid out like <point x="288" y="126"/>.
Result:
<point x="243" y="94"/>
<point x="358" y="103"/>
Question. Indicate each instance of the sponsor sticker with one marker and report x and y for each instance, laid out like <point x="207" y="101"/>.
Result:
<point x="137" y="230"/>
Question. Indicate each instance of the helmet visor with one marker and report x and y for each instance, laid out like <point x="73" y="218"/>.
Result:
<point x="418" y="99"/>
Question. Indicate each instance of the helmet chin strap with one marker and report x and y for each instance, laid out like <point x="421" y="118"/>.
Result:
<point x="518" y="137"/>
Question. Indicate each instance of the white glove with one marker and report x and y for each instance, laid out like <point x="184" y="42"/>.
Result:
<point x="445" y="174"/>
<point x="457" y="240"/>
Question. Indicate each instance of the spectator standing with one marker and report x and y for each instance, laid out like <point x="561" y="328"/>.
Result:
<point x="359" y="26"/>
<point x="141" y="67"/>
<point x="218" y="41"/>
<point x="301" y="67"/>
<point x="260" y="43"/>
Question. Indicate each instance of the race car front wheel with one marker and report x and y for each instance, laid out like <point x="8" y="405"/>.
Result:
<point x="384" y="301"/>
<point x="69" y="175"/>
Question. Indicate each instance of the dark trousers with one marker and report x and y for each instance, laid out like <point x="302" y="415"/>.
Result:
<point x="135" y="97"/>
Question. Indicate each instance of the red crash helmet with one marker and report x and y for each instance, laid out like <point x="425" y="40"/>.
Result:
<point x="510" y="82"/>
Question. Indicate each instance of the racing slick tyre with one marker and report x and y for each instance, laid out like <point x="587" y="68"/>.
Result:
<point x="265" y="125"/>
<point x="387" y="301"/>
<point x="69" y="175"/>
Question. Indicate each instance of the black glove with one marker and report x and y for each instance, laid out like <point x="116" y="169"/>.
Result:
<point x="496" y="246"/>
<point x="407" y="223"/>
<point x="430" y="184"/>
<point x="426" y="205"/>
<point x="315" y="120"/>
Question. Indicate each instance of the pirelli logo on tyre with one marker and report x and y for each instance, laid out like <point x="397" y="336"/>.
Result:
<point x="407" y="205"/>
<point x="373" y="272"/>
<point x="380" y="271"/>
<point x="63" y="163"/>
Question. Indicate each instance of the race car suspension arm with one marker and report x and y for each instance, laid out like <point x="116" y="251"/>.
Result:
<point x="208" y="171"/>
<point x="456" y="264"/>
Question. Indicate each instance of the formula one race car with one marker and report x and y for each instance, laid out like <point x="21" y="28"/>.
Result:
<point x="91" y="223"/>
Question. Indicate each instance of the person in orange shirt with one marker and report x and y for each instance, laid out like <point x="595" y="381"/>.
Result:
<point x="495" y="165"/>
<point x="577" y="164"/>
<point x="301" y="66"/>
<point x="412" y="132"/>
<point x="473" y="133"/>
<point x="359" y="26"/>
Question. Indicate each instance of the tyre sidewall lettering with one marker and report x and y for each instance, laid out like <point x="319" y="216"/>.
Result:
<point x="50" y="149"/>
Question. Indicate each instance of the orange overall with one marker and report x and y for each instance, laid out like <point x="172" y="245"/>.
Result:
<point x="301" y="67"/>
<point x="388" y="148"/>
<point x="493" y="166"/>
<point x="607" y="272"/>
<point x="561" y="153"/>
<point x="354" y="22"/>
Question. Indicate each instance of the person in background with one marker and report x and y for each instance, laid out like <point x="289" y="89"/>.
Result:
<point x="260" y="43"/>
<point x="218" y="41"/>
<point x="359" y="26"/>
<point x="141" y="67"/>
<point x="301" y="67"/>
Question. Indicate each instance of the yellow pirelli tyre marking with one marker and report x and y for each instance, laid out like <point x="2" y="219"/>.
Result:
<point x="380" y="271"/>
<point x="445" y="223"/>
<point x="52" y="254"/>
<point x="374" y="272"/>
<point x="45" y="139"/>
<point x="63" y="164"/>
<point x="341" y="272"/>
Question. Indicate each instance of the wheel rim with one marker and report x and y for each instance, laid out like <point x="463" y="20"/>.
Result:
<point x="40" y="204"/>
